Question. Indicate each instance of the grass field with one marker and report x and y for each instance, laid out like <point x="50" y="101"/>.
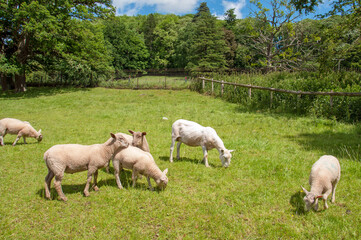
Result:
<point x="257" y="197"/>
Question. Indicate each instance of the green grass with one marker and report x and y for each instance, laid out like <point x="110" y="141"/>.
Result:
<point x="149" y="82"/>
<point x="257" y="197"/>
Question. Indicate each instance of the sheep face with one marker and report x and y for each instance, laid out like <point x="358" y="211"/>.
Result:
<point x="120" y="140"/>
<point x="163" y="181"/>
<point x="137" y="138"/>
<point x="40" y="137"/>
<point x="311" y="200"/>
<point x="225" y="157"/>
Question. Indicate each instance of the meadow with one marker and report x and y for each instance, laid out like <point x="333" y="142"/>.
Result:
<point x="257" y="197"/>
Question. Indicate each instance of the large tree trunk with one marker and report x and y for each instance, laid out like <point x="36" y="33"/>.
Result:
<point x="20" y="82"/>
<point x="7" y="82"/>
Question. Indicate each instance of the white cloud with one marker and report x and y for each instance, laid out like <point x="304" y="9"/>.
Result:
<point x="238" y="6"/>
<point x="132" y="7"/>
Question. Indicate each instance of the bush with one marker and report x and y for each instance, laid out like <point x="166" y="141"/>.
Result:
<point x="343" y="108"/>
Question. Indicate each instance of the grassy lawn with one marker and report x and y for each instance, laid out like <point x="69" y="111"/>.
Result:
<point x="256" y="197"/>
<point x="145" y="82"/>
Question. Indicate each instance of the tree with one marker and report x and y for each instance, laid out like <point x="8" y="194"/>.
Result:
<point x="276" y="37"/>
<point x="230" y="19"/>
<point x="127" y="46"/>
<point x="207" y="47"/>
<point x="30" y="28"/>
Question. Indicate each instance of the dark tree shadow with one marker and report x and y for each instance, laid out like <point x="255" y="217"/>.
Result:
<point x="185" y="159"/>
<point x="34" y="92"/>
<point x="338" y="144"/>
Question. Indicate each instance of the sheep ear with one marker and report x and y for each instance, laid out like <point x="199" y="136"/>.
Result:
<point x="131" y="132"/>
<point x="231" y="151"/>
<point x="144" y="133"/>
<point x="304" y="190"/>
<point x="113" y="135"/>
<point x="222" y="151"/>
<point x="165" y="171"/>
<point x="40" y="131"/>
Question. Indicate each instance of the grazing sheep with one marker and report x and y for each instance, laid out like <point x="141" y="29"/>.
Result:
<point x="21" y="128"/>
<point x="72" y="158"/>
<point x="324" y="176"/>
<point x="137" y="140"/>
<point x="193" y="134"/>
<point x="140" y="162"/>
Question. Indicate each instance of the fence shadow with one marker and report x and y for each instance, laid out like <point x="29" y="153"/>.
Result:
<point x="35" y="92"/>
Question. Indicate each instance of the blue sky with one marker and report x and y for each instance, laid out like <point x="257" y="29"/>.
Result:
<point x="217" y="7"/>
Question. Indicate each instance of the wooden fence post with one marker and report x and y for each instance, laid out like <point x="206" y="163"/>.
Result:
<point x="165" y="82"/>
<point x="250" y="92"/>
<point x="212" y="86"/>
<point x="331" y="100"/>
<point x="222" y="88"/>
<point x="203" y="84"/>
<point x="271" y="100"/>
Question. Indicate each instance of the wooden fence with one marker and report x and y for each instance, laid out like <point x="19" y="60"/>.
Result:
<point x="298" y="93"/>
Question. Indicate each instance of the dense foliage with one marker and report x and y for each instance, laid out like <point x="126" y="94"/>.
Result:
<point x="82" y="43"/>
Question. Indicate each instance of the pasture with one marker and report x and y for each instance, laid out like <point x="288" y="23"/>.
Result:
<point x="257" y="197"/>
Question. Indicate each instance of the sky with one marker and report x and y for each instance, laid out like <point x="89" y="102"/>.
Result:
<point x="217" y="7"/>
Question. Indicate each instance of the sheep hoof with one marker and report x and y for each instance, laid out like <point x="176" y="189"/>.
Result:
<point x="65" y="199"/>
<point x="86" y="194"/>
<point x="96" y="188"/>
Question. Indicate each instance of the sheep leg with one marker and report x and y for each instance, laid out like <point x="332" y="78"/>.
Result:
<point x="59" y="190"/>
<point x="24" y="140"/>
<point x="16" y="140"/>
<point x="95" y="184"/>
<point x="171" y="150"/>
<point x="1" y="140"/>
<point x="48" y="179"/>
<point x="324" y="197"/>
<point x="205" y="156"/>
<point x="91" y="171"/>
<point x="333" y="192"/>
<point x="116" y="173"/>
<point x="178" y="149"/>
<point x="134" y="177"/>
<point x="150" y="185"/>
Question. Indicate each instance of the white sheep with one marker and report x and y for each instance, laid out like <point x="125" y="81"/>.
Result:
<point x="324" y="176"/>
<point x="72" y="158"/>
<point x="193" y="134"/>
<point x="137" y="140"/>
<point x="20" y="128"/>
<point x="140" y="162"/>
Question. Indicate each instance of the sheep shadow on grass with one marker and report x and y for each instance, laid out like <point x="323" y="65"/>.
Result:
<point x="185" y="159"/>
<point x="297" y="202"/>
<point x="125" y="178"/>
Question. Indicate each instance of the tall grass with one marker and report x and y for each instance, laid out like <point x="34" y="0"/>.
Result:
<point x="343" y="108"/>
<point x="257" y="197"/>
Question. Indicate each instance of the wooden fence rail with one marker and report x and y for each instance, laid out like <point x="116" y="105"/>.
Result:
<point x="298" y="93"/>
<point x="350" y="94"/>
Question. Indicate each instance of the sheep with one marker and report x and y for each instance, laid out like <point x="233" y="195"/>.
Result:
<point x="137" y="139"/>
<point x="140" y="162"/>
<point x="21" y="128"/>
<point x="72" y="158"/>
<point x="324" y="176"/>
<point x="193" y="134"/>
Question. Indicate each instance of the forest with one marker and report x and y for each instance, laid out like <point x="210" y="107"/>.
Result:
<point x="84" y="42"/>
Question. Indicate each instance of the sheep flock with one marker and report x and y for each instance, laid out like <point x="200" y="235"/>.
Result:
<point x="132" y="152"/>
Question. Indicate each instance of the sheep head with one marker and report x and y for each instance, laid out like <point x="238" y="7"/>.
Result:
<point x="137" y="138"/>
<point x="163" y="180"/>
<point x="225" y="157"/>
<point x="311" y="200"/>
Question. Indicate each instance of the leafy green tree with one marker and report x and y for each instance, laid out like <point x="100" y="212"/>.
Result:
<point x="230" y="19"/>
<point x="127" y="46"/>
<point x="207" y="47"/>
<point x="30" y="28"/>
